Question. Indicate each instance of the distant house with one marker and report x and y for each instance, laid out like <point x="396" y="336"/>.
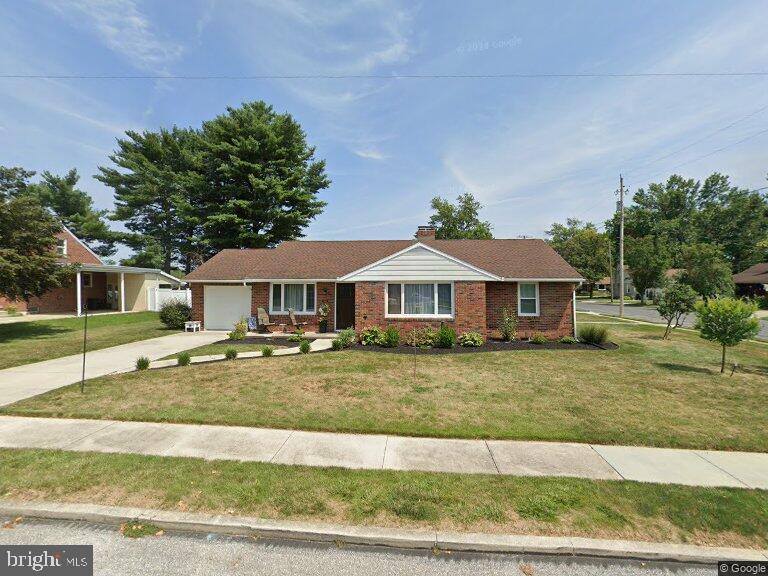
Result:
<point x="629" y="286"/>
<point x="408" y="284"/>
<point x="97" y="285"/>
<point x="753" y="281"/>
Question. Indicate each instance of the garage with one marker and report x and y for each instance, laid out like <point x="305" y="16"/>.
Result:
<point x="225" y="305"/>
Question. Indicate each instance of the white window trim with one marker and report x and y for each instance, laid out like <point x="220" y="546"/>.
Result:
<point x="87" y="280"/>
<point x="282" y="298"/>
<point x="402" y="300"/>
<point x="519" y="298"/>
<point x="61" y="243"/>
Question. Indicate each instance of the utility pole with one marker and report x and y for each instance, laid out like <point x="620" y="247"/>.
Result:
<point x="621" y="246"/>
<point x="610" y="269"/>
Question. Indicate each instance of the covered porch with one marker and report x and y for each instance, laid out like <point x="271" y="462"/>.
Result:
<point x="106" y="288"/>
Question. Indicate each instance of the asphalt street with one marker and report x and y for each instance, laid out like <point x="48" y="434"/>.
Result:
<point x="649" y="314"/>
<point x="187" y="554"/>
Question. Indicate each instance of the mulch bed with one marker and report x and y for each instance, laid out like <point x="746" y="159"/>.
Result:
<point x="488" y="346"/>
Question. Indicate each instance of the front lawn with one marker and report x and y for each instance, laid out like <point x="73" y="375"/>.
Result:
<point x="648" y="392"/>
<point x="28" y="342"/>
<point x="478" y="503"/>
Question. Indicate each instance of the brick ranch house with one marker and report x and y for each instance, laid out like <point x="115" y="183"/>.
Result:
<point x="465" y="284"/>
<point x="99" y="286"/>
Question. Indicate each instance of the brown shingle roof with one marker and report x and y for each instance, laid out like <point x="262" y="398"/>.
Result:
<point x="311" y="259"/>
<point x="757" y="274"/>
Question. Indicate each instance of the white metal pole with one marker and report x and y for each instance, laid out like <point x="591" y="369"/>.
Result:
<point x="79" y="283"/>
<point x="122" y="291"/>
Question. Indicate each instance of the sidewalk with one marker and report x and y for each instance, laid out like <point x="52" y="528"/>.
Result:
<point x="32" y="379"/>
<point x="377" y="452"/>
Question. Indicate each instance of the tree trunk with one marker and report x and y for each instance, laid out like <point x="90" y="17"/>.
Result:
<point x="722" y="364"/>
<point x="591" y="290"/>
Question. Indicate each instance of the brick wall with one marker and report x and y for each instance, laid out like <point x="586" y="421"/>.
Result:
<point x="555" y="309"/>
<point x="469" y="309"/>
<point x="76" y="252"/>
<point x="65" y="299"/>
<point x="260" y="299"/>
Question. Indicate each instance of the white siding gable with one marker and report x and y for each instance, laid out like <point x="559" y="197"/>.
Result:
<point x="419" y="263"/>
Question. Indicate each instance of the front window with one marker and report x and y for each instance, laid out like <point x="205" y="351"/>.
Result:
<point x="411" y="299"/>
<point x="528" y="299"/>
<point x="297" y="297"/>
<point x="87" y="280"/>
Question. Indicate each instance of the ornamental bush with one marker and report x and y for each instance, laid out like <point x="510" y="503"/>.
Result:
<point x="304" y="347"/>
<point x="569" y="340"/>
<point x="446" y="337"/>
<point x="391" y="338"/>
<point x="372" y="336"/>
<point x="142" y="363"/>
<point x="174" y="313"/>
<point x="240" y="331"/>
<point x="267" y="351"/>
<point x="471" y="339"/>
<point x="508" y="326"/>
<point x="421" y="337"/>
<point x="347" y="337"/>
<point x="230" y="353"/>
<point x="184" y="359"/>
<point x="593" y="334"/>
<point x="538" y="339"/>
<point x="336" y="344"/>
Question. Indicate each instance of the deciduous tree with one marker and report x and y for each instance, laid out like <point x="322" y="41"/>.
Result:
<point x="648" y="262"/>
<point x="459" y="220"/>
<point x="583" y="247"/>
<point x="727" y="321"/>
<point x="677" y="301"/>
<point x="706" y="271"/>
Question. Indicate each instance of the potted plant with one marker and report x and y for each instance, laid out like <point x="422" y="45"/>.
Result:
<point x="322" y="313"/>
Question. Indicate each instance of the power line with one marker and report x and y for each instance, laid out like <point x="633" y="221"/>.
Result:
<point x="502" y="76"/>
<point x="707" y="137"/>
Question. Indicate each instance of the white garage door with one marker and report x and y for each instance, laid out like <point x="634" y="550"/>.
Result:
<point x="225" y="305"/>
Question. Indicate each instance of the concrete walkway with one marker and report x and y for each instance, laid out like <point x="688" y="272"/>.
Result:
<point x="377" y="452"/>
<point x="33" y="379"/>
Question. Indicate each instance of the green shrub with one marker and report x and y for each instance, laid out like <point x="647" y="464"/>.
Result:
<point x="726" y="321"/>
<point x="471" y="339"/>
<point x="174" y="313"/>
<point x="372" y="336"/>
<point x="446" y="337"/>
<point x="508" y="326"/>
<point x="762" y="302"/>
<point x="230" y="353"/>
<point x="295" y="337"/>
<point x="13" y="310"/>
<point x="391" y="338"/>
<point x="142" y="363"/>
<point x="593" y="334"/>
<point x="569" y="340"/>
<point x="421" y="337"/>
<point x="184" y="359"/>
<point x="304" y="347"/>
<point x="267" y="351"/>
<point x="538" y="339"/>
<point x="240" y="331"/>
<point x="347" y="337"/>
<point x="337" y="344"/>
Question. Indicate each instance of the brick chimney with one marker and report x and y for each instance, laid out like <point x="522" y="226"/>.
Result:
<point x="425" y="233"/>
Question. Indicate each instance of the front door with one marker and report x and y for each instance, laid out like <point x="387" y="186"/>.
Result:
<point x="345" y="306"/>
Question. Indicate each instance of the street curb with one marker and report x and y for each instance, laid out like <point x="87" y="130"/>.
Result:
<point x="383" y="537"/>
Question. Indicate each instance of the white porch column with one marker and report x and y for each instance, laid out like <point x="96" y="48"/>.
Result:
<point x="79" y="289"/>
<point x="122" y="291"/>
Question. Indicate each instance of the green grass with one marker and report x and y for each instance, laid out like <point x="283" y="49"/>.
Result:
<point x="648" y="392"/>
<point x="139" y="530"/>
<point x="221" y="347"/>
<point x="613" y="509"/>
<point x="28" y="342"/>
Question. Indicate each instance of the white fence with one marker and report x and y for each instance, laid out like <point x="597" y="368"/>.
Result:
<point x="156" y="297"/>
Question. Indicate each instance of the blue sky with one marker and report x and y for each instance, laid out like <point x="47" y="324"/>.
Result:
<point x="534" y="151"/>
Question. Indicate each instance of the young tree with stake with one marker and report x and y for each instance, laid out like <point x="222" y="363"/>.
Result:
<point x="676" y="301"/>
<point x="727" y="321"/>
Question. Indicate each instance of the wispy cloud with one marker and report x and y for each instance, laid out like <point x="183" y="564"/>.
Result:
<point x="124" y="29"/>
<point x="370" y="154"/>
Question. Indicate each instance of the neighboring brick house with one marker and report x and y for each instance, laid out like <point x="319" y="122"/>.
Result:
<point x="465" y="284"/>
<point x="97" y="285"/>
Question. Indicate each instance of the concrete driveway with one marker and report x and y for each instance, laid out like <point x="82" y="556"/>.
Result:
<point x="32" y="379"/>
<point x="649" y="314"/>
